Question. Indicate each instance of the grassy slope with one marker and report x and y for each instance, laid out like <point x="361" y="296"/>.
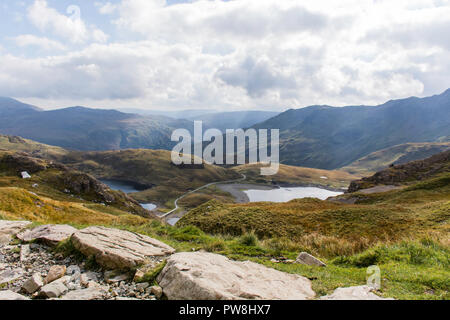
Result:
<point x="298" y="176"/>
<point x="148" y="167"/>
<point x="9" y="143"/>
<point x="405" y="233"/>
<point x="411" y="269"/>
<point x="63" y="185"/>
<point x="400" y="154"/>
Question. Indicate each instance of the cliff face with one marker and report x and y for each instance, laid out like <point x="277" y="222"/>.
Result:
<point x="406" y="173"/>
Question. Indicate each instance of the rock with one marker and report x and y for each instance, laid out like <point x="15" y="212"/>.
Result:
<point x="307" y="259"/>
<point x="9" y="229"/>
<point x="10" y="275"/>
<point x="9" y="295"/>
<point x="55" y="273"/>
<point x="125" y="299"/>
<point x="54" y="289"/>
<point x="142" y="286"/>
<point x="207" y="276"/>
<point x="95" y="293"/>
<point x="25" y="175"/>
<point x="74" y="272"/>
<point x="354" y="293"/>
<point x="157" y="291"/>
<point x="24" y="252"/>
<point x="118" y="249"/>
<point x="139" y="274"/>
<point x="113" y="277"/>
<point x="33" y="284"/>
<point x="50" y="234"/>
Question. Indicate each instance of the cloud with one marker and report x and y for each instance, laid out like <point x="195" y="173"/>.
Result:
<point x="70" y="28"/>
<point x="239" y="54"/>
<point x="106" y="8"/>
<point x="41" y="42"/>
<point x="256" y="77"/>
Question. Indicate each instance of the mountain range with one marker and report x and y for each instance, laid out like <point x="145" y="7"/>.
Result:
<point x="329" y="137"/>
<point x="321" y="137"/>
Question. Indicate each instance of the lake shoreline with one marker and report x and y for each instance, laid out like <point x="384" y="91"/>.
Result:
<point x="237" y="190"/>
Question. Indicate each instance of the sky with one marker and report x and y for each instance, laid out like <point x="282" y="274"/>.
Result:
<point x="224" y="55"/>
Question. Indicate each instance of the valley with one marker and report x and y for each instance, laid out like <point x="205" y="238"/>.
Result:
<point x="390" y="208"/>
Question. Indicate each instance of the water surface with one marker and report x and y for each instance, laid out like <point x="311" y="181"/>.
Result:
<point x="127" y="188"/>
<point x="288" y="194"/>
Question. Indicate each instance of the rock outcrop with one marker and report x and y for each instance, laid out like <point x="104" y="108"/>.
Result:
<point x="118" y="249"/>
<point x="307" y="259"/>
<point x="207" y="276"/>
<point x="403" y="173"/>
<point x="50" y="234"/>
<point x="353" y="293"/>
<point x="8" y="229"/>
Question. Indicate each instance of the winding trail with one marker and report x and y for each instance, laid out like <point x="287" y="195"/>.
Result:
<point x="244" y="177"/>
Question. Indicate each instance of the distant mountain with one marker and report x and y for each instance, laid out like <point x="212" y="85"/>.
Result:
<point x="400" y="154"/>
<point x="179" y="114"/>
<point x="213" y="118"/>
<point x="328" y="137"/>
<point x="233" y="120"/>
<point x="11" y="107"/>
<point x="87" y="129"/>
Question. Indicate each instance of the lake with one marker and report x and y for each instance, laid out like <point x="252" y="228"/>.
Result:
<point x="120" y="186"/>
<point x="288" y="194"/>
<point x="127" y="188"/>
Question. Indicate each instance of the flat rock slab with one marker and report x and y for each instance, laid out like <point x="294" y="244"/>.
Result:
<point x="50" y="234"/>
<point x="354" y="293"/>
<point x="207" y="276"/>
<point x="10" y="295"/>
<point x="85" y="294"/>
<point x="10" y="275"/>
<point x="11" y="228"/>
<point x="118" y="249"/>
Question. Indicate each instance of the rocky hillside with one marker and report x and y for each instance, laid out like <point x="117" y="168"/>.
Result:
<point x="407" y="173"/>
<point x="54" y="180"/>
<point x="400" y="154"/>
<point x="125" y="266"/>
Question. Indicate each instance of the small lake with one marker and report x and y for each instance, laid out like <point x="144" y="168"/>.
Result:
<point x="288" y="194"/>
<point x="127" y="188"/>
<point x="120" y="186"/>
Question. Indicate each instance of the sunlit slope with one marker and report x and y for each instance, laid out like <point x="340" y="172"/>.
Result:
<point x="298" y="176"/>
<point x="400" y="154"/>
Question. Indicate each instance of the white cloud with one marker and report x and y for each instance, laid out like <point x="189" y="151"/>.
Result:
<point x="41" y="42"/>
<point x="106" y="8"/>
<point x="71" y="28"/>
<point x="242" y="54"/>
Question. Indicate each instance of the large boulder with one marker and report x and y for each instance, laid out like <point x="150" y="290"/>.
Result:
<point x="118" y="249"/>
<point x="309" y="260"/>
<point x="354" y="293"/>
<point x="11" y="228"/>
<point x="207" y="276"/>
<point x="51" y="234"/>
